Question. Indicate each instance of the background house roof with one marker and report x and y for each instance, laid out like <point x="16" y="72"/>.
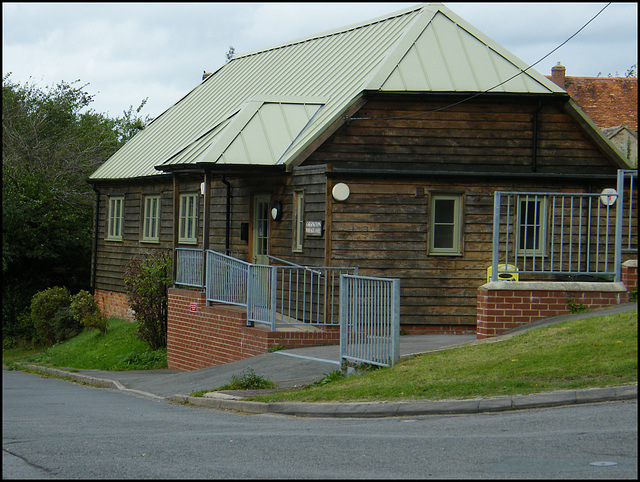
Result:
<point x="306" y="85"/>
<point x="608" y="101"/>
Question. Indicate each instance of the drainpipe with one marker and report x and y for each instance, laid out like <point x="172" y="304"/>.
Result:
<point x="534" y="161"/>
<point x="228" y="220"/>
<point x="95" y="241"/>
<point x="205" y="224"/>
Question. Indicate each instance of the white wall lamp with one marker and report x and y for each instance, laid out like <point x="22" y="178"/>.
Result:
<point x="340" y="192"/>
<point x="276" y="211"/>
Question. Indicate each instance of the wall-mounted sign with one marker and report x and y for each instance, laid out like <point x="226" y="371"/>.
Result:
<point x="193" y="307"/>
<point x="313" y="228"/>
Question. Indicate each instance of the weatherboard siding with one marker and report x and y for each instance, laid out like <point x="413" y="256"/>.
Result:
<point x="383" y="227"/>
<point x="480" y="136"/>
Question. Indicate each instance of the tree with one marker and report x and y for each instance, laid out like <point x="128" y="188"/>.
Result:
<point x="230" y="53"/>
<point x="51" y="143"/>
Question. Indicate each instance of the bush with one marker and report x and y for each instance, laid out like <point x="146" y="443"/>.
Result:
<point x="44" y="306"/>
<point x="86" y="312"/>
<point x="147" y="281"/>
<point x="66" y="326"/>
<point x="248" y="381"/>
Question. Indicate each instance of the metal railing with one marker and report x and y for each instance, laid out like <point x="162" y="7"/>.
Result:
<point x="563" y="233"/>
<point x="626" y="209"/>
<point x="227" y="279"/>
<point x="294" y="294"/>
<point x="273" y="295"/>
<point x="369" y="320"/>
<point x="189" y="267"/>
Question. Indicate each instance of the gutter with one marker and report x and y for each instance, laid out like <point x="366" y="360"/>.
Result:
<point x="503" y="175"/>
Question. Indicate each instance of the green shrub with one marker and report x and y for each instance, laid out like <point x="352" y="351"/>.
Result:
<point x="66" y="326"/>
<point x="248" y="381"/>
<point x="86" y="312"/>
<point x="44" y="306"/>
<point x="147" y="281"/>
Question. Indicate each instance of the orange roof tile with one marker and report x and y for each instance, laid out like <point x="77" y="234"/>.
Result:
<point x="608" y="101"/>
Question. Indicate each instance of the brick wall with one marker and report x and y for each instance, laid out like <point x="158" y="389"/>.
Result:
<point x="502" y="305"/>
<point x="200" y="336"/>
<point x="113" y="304"/>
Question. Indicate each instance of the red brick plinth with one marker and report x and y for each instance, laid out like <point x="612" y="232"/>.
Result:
<point x="200" y="336"/>
<point x="506" y="305"/>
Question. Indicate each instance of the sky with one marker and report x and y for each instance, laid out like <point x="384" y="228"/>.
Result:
<point x="127" y="52"/>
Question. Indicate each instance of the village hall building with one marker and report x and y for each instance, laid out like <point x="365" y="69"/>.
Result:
<point x="377" y="146"/>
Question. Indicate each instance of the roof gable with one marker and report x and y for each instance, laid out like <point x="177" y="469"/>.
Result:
<point x="442" y="52"/>
<point x="426" y="48"/>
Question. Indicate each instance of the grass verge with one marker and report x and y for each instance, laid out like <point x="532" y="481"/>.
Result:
<point x="118" y="349"/>
<point x="587" y="353"/>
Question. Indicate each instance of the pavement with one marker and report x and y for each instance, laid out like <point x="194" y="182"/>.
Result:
<point x="303" y="366"/>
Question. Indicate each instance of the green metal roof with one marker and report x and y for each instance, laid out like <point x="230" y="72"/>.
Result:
<point x="266" y="107"/>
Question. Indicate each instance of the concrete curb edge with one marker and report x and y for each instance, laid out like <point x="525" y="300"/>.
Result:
<point x="375" y="409"/>
<point x="414" y="408"/>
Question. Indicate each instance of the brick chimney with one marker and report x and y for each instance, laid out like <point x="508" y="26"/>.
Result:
<point x="557" y="74"/>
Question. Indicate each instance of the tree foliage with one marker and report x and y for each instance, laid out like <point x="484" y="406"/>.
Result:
<point x="51" y="143"/>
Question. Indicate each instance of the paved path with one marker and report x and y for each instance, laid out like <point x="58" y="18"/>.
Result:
<point x="297" y="367"/>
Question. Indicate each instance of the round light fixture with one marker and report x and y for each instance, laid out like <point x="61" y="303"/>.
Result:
<point x="276" y="211"/>
<point x="608" y="196"/>
<point x="340" y="192"/>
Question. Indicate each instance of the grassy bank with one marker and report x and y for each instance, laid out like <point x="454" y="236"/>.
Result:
<point x="118" y="349"/>
<point x="593" y="352"/>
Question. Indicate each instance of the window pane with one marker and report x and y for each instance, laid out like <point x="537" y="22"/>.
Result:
<point x="445" y="229"/>
<point x="445" y="211"/>
<point x="188" y="217"/>
<point x="443" y="237"/>
<point x="531" y="225"/>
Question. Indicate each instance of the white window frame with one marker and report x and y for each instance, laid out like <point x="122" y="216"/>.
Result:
<point x="298" y="221"/>
<point x="151" y="222"/>
<point x="115" y="217"/>
<point x="188" y="222"/>
<point x="456" y="223"/>
<point x="537" y="228"/>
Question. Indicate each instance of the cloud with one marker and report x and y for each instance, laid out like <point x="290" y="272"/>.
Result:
<point x="131" y="51"/>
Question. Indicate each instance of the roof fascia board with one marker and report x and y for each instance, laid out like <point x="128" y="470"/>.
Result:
<point x="605" y="145"/>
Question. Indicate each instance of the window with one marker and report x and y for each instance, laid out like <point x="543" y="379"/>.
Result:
<point x="298" y="221"/>
<point x="188" y="218"/>
<point x="532" y="226"/>
<point x="151" y="225"/>
<point x="446" y="221"/>
<point x="116" y="213"/>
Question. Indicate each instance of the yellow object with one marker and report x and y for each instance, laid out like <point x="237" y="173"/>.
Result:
<point x="503" y="276"/>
